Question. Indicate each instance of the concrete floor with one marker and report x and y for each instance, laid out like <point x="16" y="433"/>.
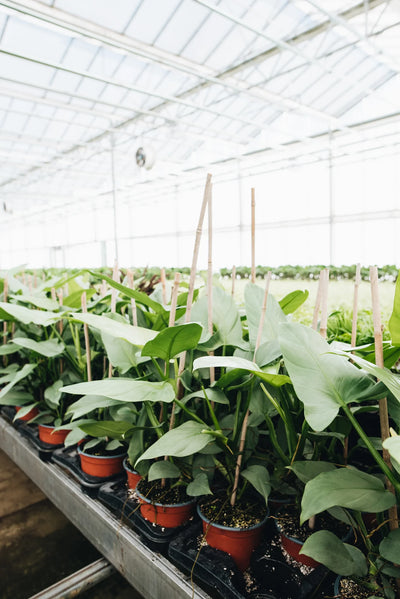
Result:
<point x="39" y="546"/>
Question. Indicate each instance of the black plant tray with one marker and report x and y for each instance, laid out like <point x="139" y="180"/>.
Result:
<point x="31" y="432"/>
<point x="8" y="413"/>
<point x="114" y="495"/>
<point x="68" y="458"/>
<point x="268" y="577"/>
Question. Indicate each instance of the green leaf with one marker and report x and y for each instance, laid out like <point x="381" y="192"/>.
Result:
<point x="199" y="486"/>
<point x="274" y="315"/>
<point x="213" y="394"/>
<point x="136" y="335"/>
<point x="74" y="437"/>
<point x="258" y="476"/>
<point x="25" y="371"/>
<point x="114" y="444"/>
<point x="163" y="469"/>
<point x="88" y="403"/>
<point x="122" y="389"/>
<point x="341" y="558"/>
<point x="48" y="348"/>
<point x="40" y="301"/>
<point x="16" y="398"/>
<point x="307" y="470"/>
<point x="107" y="428"/>
<point x="73" y="300"/>
<point x="27" y="315"/>
<point x="293" y="300"/>
<point x="8" y="349"/>
<point x="172" y="341"/>
<point x="187" y="439"/>
<point x="388" y="378"/>
<point x="24" y="410"/>
<point x="53" y="394"/>
<point x="389" y="548"/>
<point x="241" y="364"/>
<point x="322" y="380"/>
<point x="345" y="487"/>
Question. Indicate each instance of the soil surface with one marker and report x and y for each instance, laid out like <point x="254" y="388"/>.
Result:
<point x="288" y="521"/>
<point x="158" y="494"/>
<point x="242" y="515"/>
<point x="351" y="590"/>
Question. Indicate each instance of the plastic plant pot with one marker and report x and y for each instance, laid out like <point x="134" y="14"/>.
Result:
<point x="166" y="515"/>
<point x="51" y="437"/>
<point x="238" y="542"/>
<point x="31" y="414"/>
<point x="133" y="476"/>
<point x="293" y="547"/>
<point x="101" y="466"/>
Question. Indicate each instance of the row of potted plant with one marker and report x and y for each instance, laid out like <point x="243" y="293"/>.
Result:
<point x="232" y="421"/>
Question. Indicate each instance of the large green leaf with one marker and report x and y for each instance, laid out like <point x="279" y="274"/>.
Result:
<point x="122" y="354"/>
<point x="389" y="548"/>
<point x="241" y="365"/>
<point x="8" y="349"/>
<point x="293" y="300"/>
<point x="341" y="558"/>
<point x="74" y="300"/>
<point x="213" y="394"/>
<point x="258" y="476"/>
<point x="322" y="380"/>
<point x="27" y="315"/>
<point x="307" y="470"/>
<point x="135" y="335"/>
<point x="345" y="487"/>
<point x="40" y="301"/>
<point x="53" y="394"/>
<point x="107" y="428"/>
<point x="172" y="341"/>
<point x="199" y="486"/>
<point x="88" y="403"/>
<point x="394" y="320"/>
<point x="274" y="315"/>
<point x="225" y="317"/>
<point x="18" y="376"/>
<point x="16" y="398"/>
<point x="186" y="439"/>
<point x="388" y="378"/>
<point x="48" y="348"/>
<point x="123" y="389"/>
<point x="163" y="469"/>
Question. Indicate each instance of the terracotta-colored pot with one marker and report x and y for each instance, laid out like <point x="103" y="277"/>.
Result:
<point x="166" y="515"/>
<point x="47" y="435"/>
<point x="238" y="542"/>
<point x="133" y="476"/>
<point x="101" y="466"/>
<point x="31" y="414"/>
<point x="293" y="547"/>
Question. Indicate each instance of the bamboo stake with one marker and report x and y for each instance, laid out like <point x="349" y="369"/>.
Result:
<point x="61" y="326"/>
<point x="246" y="417"/>
<point x="103" y="288"/>
<point x="317" y="302"/>
<point x="53" y="294"/>
<point x="355" y="306"/>
<point x="172" y="315"/>
<point x="86" y="335"/>
<point x="253" y="235"/>
<point x="323" y="327"/>
<point x="34" y="279"/>
<point x="357" y="282"/>
<point x="383" y="409"/>
<point x="5" y="324"/>
<point x="23" y="277"/>
<point x="30" y="286"/>
<point x="233" y="280"/>
<point x="129" y="274"/>
<point x="113" y="306"/>
<point x="163" y="286"/>
<point x="210" y="282"/>
<point x="189" y="303"/>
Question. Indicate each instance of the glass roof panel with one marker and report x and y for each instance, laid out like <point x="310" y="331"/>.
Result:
<point x="150" y="19"/>
<point x="113" y="15"/>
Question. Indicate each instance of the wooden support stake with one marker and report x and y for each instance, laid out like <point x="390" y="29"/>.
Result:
<point x="253" y="235"/>
<point x="210" y="281"/>
<point x="172" y="316"/>
<point x="246" y="417"/>
<point x="189" y="303"/>
<point x="113" y="306"/>
<point x="355" y="306"/>
<point x="5" y="323"/>
<point x="383" y="409"/>
<point x="163" y="286"/>
<point x="34" y="279"/>
<point x="86" y="335"/>
<point x="129" y="274"/>
<point x="30" y="284"/>
<point x="317" y="302"/>
<point x="323" y="327"/>
<point x="233" y="280"/>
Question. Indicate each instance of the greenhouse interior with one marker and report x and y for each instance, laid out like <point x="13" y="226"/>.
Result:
<point x="199" y="299"/>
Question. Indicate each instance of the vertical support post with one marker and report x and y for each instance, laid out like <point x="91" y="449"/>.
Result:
<point x="331" y="244"/>
<point x="253" y="235"/>
<point x="114" y="196"/>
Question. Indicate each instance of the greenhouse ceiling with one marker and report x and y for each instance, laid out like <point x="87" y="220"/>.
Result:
<point x="199" y="83"/>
